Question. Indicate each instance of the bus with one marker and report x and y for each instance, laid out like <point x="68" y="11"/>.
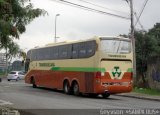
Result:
<point x="100" y="65"/>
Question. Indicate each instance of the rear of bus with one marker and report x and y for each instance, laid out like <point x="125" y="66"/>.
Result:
<point x="115" y="58"/>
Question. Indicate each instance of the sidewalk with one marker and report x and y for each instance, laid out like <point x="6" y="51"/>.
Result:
<point x="140" y="96"/>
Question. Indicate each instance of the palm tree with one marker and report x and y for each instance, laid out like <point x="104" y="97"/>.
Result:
<point x="12" y="50"/>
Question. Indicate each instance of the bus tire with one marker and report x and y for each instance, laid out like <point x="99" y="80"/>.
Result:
<point x="105" y="95"/>
<point x="66" y="87"/>
<point x="76" y="88"/>
<point x="33" y="83"/>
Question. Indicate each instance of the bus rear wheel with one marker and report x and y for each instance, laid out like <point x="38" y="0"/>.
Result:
<point x="105" y="95"/>
<point x="33" y="83"/>
<point x="66" y="87"/>
<point x="76" y="89"/>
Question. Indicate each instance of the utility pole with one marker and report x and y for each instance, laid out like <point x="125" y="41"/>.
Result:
<point x="133" y="39"/>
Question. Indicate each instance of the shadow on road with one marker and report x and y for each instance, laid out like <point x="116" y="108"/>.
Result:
<point x="80" y="96"/>
<point x="60" y="112"/>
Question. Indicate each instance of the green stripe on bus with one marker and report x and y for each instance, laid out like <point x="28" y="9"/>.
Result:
<point x="130" y="70"/>
<point x="78" y="69"/>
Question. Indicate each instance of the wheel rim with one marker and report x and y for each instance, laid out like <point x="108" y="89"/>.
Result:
<point x="66" y="87"/>
<point x="76" y="89"/>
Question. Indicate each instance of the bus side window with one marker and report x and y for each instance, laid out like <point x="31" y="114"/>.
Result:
<point x="84" y="49"/>
<point x="62" y="52"/>
<point x="38" y="52"/>
<point x="46" y="53"/>
<point x="91" y="48"/>
<point x="33" y="55"/>
<point x="54" y="52"/>
<point x="41" y="54"/>
<point x="69" y="50"/>
<point x="65" y="51"/>
<point x="82" y="53"/>
<point x="75" y="48"/>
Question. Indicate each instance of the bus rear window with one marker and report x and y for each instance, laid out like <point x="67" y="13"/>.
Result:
<point x="115" y="46"/>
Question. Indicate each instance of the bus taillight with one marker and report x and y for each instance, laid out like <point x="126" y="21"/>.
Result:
<point x="98" y="75"/>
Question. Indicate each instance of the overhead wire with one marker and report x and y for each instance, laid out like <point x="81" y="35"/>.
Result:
<point x="137" y="17"/>
<point x="90" y="9"/>
<point x="135" y="14"/>
<point x="97" y="5"/>
<point x="144" y="5"/>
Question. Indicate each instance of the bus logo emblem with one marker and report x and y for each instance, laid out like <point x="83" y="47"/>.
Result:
<point x="116" y="72"/>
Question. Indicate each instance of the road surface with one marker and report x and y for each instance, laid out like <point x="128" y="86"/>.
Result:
<point x="22" y="96"/>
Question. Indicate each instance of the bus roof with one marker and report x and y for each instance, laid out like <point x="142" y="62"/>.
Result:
<point x="81" y="40"/>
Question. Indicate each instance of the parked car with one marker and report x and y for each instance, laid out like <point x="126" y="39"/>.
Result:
<point x="15" y="75"/>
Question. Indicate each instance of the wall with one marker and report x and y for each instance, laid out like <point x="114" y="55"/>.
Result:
<point x="153" y="72"/>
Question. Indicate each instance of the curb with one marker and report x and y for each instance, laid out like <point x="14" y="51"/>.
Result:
<point x="139" y="97"/>
<point x="8" y="111"/>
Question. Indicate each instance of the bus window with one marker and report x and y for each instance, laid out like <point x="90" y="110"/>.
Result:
<point x="125" y="47"/>
<point x="91" y="48"/>
<point x="65" y="51"/>
<point x="82" y="50"/>
<point x="115" y="46"/>
<point x="33" y="55"/>
<point x="75" y="51"/>
<point x="54" y="52"/>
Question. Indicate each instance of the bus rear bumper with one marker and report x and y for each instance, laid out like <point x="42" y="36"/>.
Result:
<point x="114" y="89"/>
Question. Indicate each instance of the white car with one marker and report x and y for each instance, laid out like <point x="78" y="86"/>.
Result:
<point x="15" y="75"/>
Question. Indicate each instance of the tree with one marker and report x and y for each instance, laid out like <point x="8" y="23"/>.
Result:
<point x="154" y="33"/>
<point x="147" y="46"/>
<point x="14" y="16"/>
<point x="13" y="50"/>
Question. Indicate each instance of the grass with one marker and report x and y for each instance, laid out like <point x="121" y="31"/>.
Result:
<point x="147" y="91"/>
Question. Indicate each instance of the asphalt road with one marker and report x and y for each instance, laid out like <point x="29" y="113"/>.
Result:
<point x="42" y="101"/>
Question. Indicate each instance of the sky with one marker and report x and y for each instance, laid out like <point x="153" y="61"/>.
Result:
<point x="74" y="23"/>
